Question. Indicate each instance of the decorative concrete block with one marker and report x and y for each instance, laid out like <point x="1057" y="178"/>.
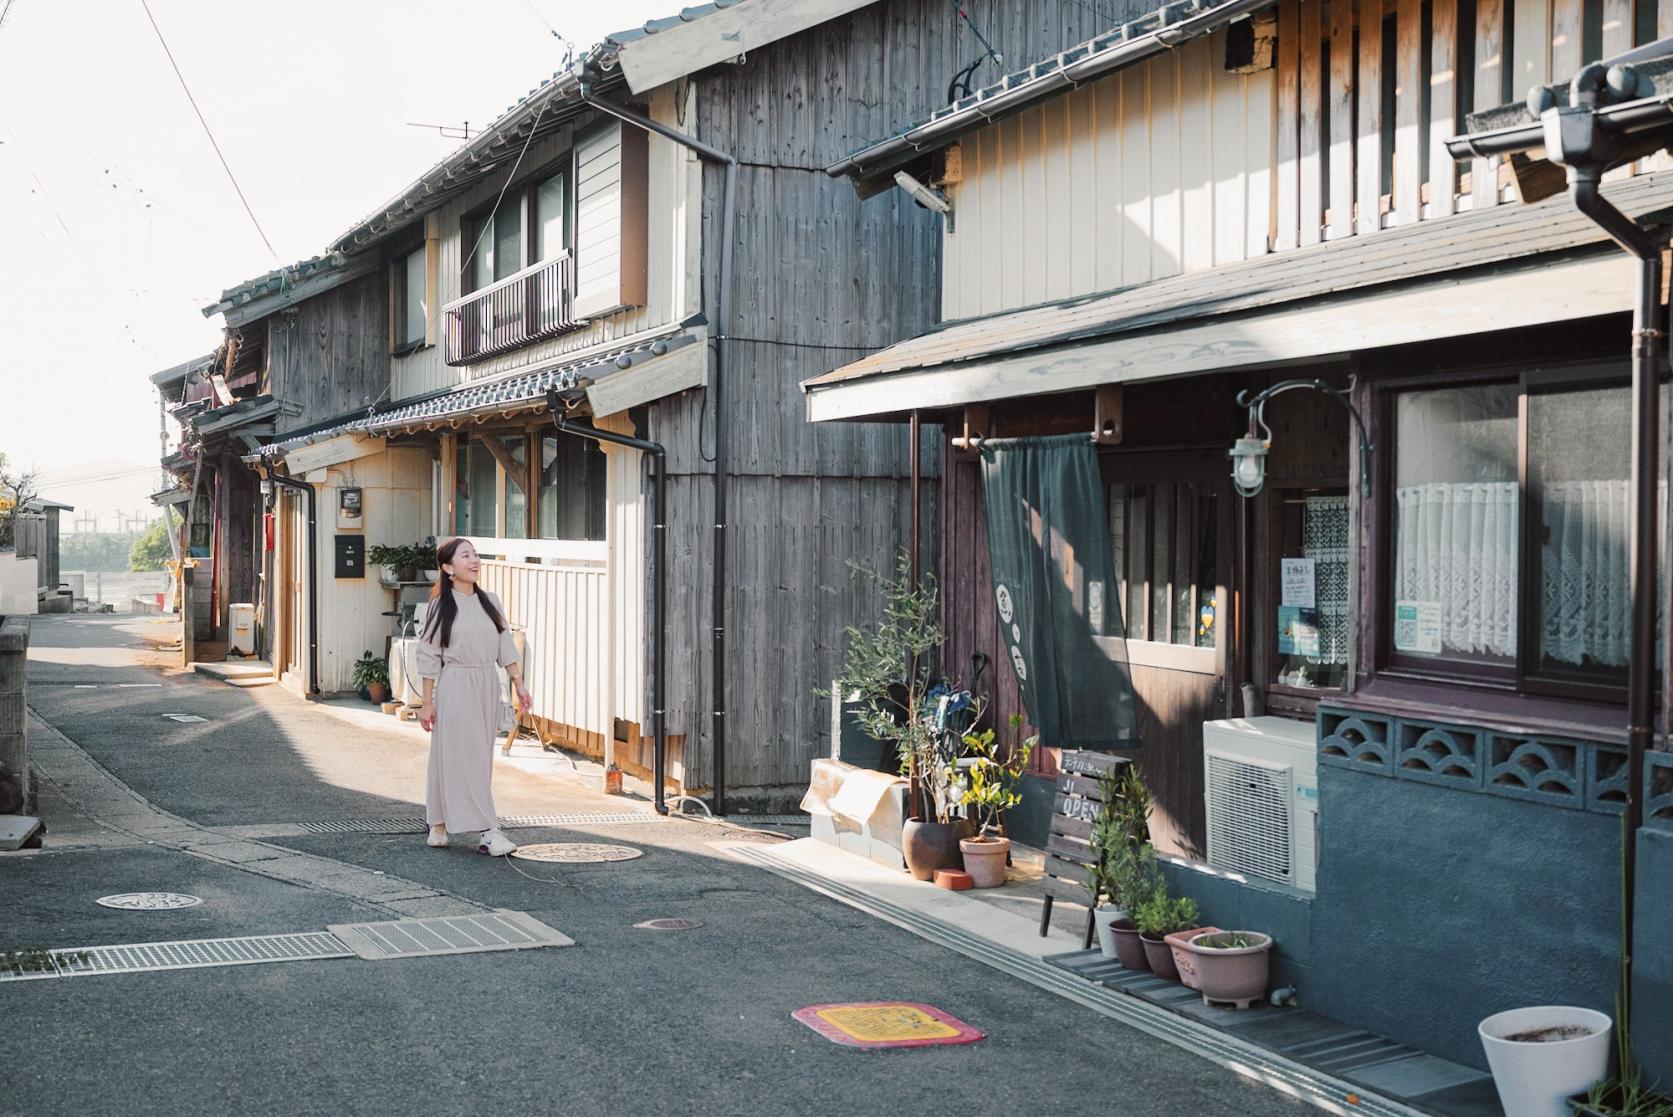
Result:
<point x="1541" y="769"/>
<point x="1606" y="778"/>
<point x="1449" y="755"/>
<point x="1350" y="739"/>
<point x="1658" y="790"/>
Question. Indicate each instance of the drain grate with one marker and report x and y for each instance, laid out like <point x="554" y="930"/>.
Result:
<point x="669" y="925"/>
<point x="515" y="822"/>
<point x="772" y="819"/>
<point x="452" y="934"/>
<point x="184" y="718"/>
<point x="190" y="954"/>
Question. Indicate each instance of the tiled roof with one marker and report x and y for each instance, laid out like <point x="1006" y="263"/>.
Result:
<point x="520" y="392"/>
<point x="656" y="26"/>
<point x="274" y="281"/>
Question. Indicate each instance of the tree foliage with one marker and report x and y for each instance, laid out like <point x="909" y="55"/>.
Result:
<point x="150" y="550"/>
<point x="18" y="486"/>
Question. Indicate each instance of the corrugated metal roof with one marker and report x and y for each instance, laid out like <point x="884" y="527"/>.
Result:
<point x="1470" y="240"/>
<point x="1132" y="42"/>
<point x="519" y="392"/>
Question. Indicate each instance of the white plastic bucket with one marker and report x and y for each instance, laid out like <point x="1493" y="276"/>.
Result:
<point x="1536" y="1079"/>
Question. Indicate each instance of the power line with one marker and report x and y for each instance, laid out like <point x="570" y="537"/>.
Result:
<point x="224" y="165"/>
<point x="4" y="12"/>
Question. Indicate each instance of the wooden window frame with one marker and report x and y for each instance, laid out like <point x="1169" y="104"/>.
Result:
<point x="521" y="193"/>
<point x="398" y="345"/>
<point x="1522" y="675"/>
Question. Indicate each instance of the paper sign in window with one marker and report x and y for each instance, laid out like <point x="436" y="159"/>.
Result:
<point x="1297" y="580"/>
<point x="1417" y="627"/>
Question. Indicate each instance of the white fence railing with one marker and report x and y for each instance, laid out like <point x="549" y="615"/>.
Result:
<point x="563" y="611"/>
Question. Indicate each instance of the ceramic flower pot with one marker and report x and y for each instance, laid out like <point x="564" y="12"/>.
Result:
<point x="984" y="860"/>
<point x="1128" y="948"/>
<point x="1160" y="956"/>
<point x="1539" y="1056"/>
<point x="1184" y="957"/>
<point x="928" y="846"/>
<point x="1234" y="975"/>
<point x="1104" y="918"/>
<point x="378" y="693"/>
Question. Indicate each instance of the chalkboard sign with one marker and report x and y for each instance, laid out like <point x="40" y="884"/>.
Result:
<point x="1076" y="808"/>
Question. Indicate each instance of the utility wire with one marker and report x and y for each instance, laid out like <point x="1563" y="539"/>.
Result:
<point x="212" y="142"/>
<point x="488" y="222"/>
<point x="4" y="12"/>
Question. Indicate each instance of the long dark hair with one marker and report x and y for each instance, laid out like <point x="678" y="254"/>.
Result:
<point x="443" y="607"/>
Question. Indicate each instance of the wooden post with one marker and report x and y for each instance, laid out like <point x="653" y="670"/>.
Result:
<point x="188" y="618"/>
<point x="1368" y="192"/>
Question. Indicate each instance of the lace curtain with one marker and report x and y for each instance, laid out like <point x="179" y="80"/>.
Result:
<point x="1458" y="547"/>
<point x="1457" y="544"/>
<point x="1324" y="539"/>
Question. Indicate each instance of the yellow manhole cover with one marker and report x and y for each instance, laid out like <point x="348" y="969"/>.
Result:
<point x="877" y="1024"/>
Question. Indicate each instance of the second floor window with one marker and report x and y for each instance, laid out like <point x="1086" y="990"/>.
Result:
<point x="529" y="226"/>
<point x="411" y="302"/>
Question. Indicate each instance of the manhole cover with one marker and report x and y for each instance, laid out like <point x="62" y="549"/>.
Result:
<point x="576" y="852"/>
<point x="150" y="901"/>
<point x="876" y="1024"/>
<point x="669" y="924"/>
<point x="184" y="717"/>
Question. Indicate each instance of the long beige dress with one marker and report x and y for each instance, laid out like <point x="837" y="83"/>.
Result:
<point x="467" y="698"/>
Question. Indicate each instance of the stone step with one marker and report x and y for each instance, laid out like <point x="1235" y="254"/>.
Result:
<point x="234" y="670"/>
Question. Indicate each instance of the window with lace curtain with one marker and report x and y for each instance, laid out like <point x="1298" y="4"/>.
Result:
<point x="1510" y="531"/>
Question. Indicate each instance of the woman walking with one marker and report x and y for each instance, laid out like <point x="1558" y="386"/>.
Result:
<point x="465" y="637"/>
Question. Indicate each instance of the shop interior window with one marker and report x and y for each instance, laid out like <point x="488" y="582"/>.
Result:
<point x="1311" y="622"/>
<point x="1164" y="544"/>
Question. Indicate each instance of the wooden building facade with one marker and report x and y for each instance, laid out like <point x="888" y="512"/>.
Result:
<point x="1210" y="201"/>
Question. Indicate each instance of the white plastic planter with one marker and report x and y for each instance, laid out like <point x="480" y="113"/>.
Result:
<point x="1105" y="918"/>
<point x="1536" y="1079"/>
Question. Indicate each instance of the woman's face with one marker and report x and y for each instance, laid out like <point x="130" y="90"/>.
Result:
<point x="465" y="565"/>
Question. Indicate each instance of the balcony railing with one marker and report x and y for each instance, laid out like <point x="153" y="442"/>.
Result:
<point x="538" y="302"/>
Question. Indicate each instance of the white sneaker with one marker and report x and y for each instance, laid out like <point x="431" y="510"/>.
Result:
<point x="495" y="844"/>
<point x="437" y="838"/>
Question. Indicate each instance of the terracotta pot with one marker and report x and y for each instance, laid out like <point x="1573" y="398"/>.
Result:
<point x="1105" y="918"/>
<point x="928" y="846"/>
<point x="1160" y="956"/>
<point x="1128" y="948"/>
<point x="1184" y="957"/>
<point x="984" y="860"/>
<point x="378" y="693"/>
<point x="1235" y="974"/>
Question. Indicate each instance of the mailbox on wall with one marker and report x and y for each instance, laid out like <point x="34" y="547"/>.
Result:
<point x="351" y="556"/>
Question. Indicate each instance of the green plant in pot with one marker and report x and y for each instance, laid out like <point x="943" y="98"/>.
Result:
<point x="371" y="675"/>
<point x="1232" y="966"/>
<point x="397" y="563"/>
<point x="991" y="791"/>
<point x="424" y="559"/>
<point x="1120" y="875"/>
<point x="1134" y="879"/>
<point x="887" y="670"/>
<point x="1159" y="916"/>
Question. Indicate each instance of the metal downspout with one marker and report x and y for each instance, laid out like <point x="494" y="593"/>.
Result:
<point x="722" y="326"/>
<point x="659" y="578"/>
<point x="313" y="575"/>
<point x="1647" y="336"/>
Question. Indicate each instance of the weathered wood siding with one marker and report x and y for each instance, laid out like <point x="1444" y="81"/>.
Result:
<point x="1163" y="169"/>
<point x="331" y="354"/>
<point x="819" y="277"/>
<point x="561" y="609"/>
<point x="671" y="292"/>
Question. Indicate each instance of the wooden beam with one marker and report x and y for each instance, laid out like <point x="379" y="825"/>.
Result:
<point x="1108" y="414"/>
<point x="1443" y="103"/>
<point x="502" y="454"/>
<point x="1368" y="192"/>
<point x="1311" y="140"/>
<point x="1322" y="329"/>
<point x="721" y="36"/>
<point x="1491" y="58"/>
<point x="1408" y="126"/>
<point x="1286" y="232"/>
<point x="1341" y="117"/>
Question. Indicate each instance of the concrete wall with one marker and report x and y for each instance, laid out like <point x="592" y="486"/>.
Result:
<point x="1652" y="994"/>
<point x="1234" y="903"/>
<point x="19" y="585"/>
<point x="1438" y="906"/>
<point x="14" y="751"/>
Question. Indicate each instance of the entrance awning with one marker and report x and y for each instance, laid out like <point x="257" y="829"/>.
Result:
<point x="1502" y="269"/>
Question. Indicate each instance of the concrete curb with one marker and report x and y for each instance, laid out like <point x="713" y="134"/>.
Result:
<point x="105" y="799"/>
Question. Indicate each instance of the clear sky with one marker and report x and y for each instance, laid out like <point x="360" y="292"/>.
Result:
<point x="118" y="224"/>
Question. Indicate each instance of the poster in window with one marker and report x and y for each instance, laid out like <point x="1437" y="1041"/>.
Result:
<point x="1298" y="631"/>
<point x="1417" y="627"/>
<point x="1297" y="578"/>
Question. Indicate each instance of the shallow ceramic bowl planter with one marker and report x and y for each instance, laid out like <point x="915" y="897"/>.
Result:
<point x="1104" y="918"/>
<point x="1185" y="956"/>
<point x="1128" y="948"/>
<point x="1540" y="1056"/>
<point x="984" y="859"/>
<point x="928" y="846"/>
<point x="1234" y="975"/>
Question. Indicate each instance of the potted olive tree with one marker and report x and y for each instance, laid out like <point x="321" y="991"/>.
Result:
<point x="887" y="670"/>
<point x="991" y="791"/>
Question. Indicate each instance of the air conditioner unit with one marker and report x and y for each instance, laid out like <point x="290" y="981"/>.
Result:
<point x="1262" y="788"/>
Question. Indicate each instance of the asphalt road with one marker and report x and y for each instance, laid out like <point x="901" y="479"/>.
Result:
<point x="627" y="1021"/>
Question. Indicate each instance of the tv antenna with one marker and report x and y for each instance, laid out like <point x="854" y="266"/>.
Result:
<point x="450" y="131"/>
<point x="960" y="85"/>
